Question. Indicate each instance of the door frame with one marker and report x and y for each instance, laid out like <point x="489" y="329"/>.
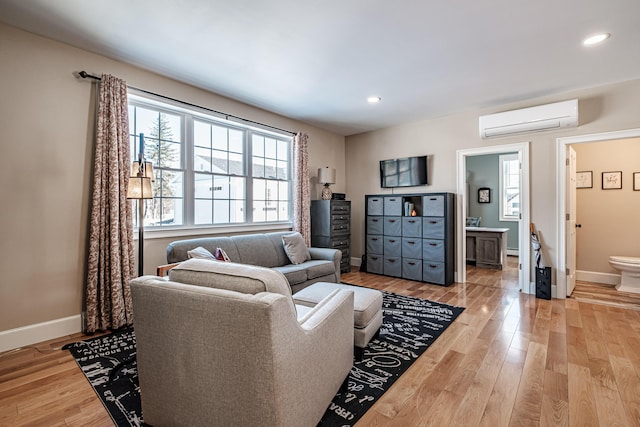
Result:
<point x="562" y="194"/>
<point x="524" y="253"/>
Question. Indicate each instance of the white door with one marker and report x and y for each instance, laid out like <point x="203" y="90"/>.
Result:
<point x="570" y="225"/>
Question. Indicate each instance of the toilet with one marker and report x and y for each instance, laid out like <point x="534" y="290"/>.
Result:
<point x="629" y="268"/>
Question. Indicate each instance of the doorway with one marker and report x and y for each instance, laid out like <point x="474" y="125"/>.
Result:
<point x="566" y="214"/>
<point x="522" y="150"/>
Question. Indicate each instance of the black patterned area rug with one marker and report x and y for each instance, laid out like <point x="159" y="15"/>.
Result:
<point x="410" y="325"/>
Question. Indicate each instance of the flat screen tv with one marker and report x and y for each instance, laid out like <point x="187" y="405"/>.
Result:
<point x="404" y="172"/>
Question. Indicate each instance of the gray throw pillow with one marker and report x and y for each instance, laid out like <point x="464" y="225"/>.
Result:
<point x="200" y="253"/>
<point x="295" y="248"/>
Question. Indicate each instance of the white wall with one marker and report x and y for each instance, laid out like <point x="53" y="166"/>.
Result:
<point x="46" y="136"/>
<point x="602" y="109"/>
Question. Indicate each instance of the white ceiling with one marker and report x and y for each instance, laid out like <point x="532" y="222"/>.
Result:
<point x="318" y="61"/>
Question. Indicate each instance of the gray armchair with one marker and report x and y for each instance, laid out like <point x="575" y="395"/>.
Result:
<point x="229" y="347"/>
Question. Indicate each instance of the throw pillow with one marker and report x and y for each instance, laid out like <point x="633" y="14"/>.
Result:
<point x="295" y="248"/>
<point x="201" y="253"/>
<point x="221" y="255"/>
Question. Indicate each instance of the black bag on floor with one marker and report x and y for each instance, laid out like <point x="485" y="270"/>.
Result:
<point x="363" y="264"/>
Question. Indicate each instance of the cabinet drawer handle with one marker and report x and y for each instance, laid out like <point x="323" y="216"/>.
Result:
<point x="433" y="198"/>
<point x="393" y="200"/>
<point x="375" y="258"/>
<point x="433" y="266"/>
<point x="374" y="220"/>
<point x="433" y="222"/>
<point x="411" y="242"/>
<point x="411" y="263"/>
<point x="412" y="221"/>
<point x="392" y="260"/>
<point x="391" y="241"/>
<point x="392" y="220"/>
<point x="375" y="200"/>
<point x="433" y="244"/>
<point x="375" y="239"/>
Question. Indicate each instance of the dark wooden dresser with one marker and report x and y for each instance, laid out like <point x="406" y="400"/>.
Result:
<point x="331" y="228"/>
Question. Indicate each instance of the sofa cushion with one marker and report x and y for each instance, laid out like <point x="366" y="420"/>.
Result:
<point x="294" y="273"/>
<point x="295" y="248"/>
<point x="256" y="249"/>
<point x="318" y="268"/>
<point x="242" y="278"/>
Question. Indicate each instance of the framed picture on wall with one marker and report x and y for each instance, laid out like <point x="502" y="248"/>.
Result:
<point x="636" y="181"/>
<point x="612" y="180"/>
<point x="584" y="179"/>
<point x="484" y="195"/>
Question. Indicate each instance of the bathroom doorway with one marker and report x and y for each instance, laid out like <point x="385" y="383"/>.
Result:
<point x="570" y="221"/>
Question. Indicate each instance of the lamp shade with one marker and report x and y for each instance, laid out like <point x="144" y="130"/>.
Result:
<point x="147" y="169"/>
<point x="326" y="175"/>
<point x="139" y="188"/>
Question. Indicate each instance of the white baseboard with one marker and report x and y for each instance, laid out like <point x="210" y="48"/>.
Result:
<point x="513" y="252"/>
<point x="597" y="277"/>
<point x="356" y="262"/>
<point x="39" y="332"/>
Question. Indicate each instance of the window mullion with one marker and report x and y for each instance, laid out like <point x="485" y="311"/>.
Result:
<point x="248" y="149"/>
<point x="189" y="173"/>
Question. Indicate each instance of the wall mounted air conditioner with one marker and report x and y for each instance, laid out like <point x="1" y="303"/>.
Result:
<point x="534" y="119"/>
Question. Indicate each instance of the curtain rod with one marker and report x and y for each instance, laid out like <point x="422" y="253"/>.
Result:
<point x="86" y="75"/>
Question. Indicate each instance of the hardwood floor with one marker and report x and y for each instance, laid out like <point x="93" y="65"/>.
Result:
<point x="509" y="359"/>
<point x="605" y="294"/>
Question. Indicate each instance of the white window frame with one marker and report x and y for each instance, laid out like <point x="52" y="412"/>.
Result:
<point x="189" y="227"/>
<point x="503" y="158"/>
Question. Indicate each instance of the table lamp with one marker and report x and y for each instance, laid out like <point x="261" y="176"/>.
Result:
<point x="326" y="176"/>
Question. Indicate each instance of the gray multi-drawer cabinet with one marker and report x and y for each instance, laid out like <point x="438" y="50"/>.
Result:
<point x="411" y="236"/>
<point x="331" y="228"/>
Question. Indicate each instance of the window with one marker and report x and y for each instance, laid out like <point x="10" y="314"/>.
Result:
<point x="209" y="171"/>
<point x="271" y="185"/>
<point x="509" y="187"/>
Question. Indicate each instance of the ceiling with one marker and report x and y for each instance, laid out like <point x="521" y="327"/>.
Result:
<point x="318" y="61"/>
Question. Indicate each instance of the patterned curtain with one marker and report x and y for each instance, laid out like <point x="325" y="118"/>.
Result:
<point x="111" y="255"/>
<point x="301" y="190"/>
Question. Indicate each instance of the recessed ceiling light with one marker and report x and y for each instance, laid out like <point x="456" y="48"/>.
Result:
<point x="595" y="39"/>
<point x="374" y="99"/>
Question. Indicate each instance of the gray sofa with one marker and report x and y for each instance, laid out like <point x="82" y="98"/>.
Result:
<point x="266" y="250"/>
<point x="223" y="344"/>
